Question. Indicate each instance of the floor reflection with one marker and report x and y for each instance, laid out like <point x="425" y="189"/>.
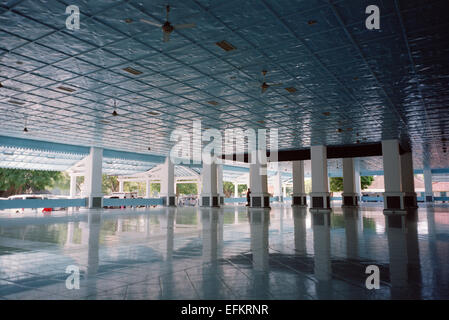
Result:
<point x="227" y="253"/>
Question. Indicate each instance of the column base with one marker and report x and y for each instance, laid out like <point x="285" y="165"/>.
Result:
<point x="210" y="200"/>
<point x="350" y="200"/>
<point x="278" y="198"/>
<point x="394" y="203"/>
<point x="260" y="200"/>
<point x="320" y="202"/>
<point x="299" y="200"/>
<point x="95" y="202"/>
<point x="410" y="200"/>
<point x="222" y="200"/>
<point x="429" y="198"/>
<point x="169" y="201"/>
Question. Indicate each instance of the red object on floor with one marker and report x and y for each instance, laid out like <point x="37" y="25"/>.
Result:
<point x="47" y="211"/>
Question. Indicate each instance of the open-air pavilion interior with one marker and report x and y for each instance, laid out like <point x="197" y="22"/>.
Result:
<point x="94" y="88"/>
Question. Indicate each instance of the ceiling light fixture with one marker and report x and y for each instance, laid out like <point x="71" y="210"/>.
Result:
<point x="25" y="129"/>
<point x="226" y="46"/>
<point x="66" y="89"/>
<point x="132" y="71"/>
<point x="114" y="113"/>
<point x="20" y="103"/>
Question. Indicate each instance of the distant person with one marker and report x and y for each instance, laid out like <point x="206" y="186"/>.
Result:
<point x="248" y="197"/>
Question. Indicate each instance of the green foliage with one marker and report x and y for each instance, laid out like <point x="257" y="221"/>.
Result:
<point x="17" y="181"/>
<point x="336" y="183"/>
<point x="109" y="184"/>
<point x="366" y="181"/>
<point x="131" y="186"/>
<point x="228" y="189"/>
<point x="186" y="188"/>
<point x="242" y="189"/>
<point x="155" y="187"/>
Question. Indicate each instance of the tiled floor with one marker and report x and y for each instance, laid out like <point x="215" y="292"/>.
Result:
<point x="227" y="253"/>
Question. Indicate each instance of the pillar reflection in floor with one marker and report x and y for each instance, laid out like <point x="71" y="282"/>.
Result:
<point x="321" y="246"/>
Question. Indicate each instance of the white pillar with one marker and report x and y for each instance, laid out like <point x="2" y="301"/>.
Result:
<point x="220" y="183"/>
<point x="320" y="196"/>
<point x="349" y="195"/>
<point x="259" y="224"/>
<point x="277" y="184"/>
<point x="209" y="193"/>
<point x="284" y="191"/>
<point x="209" y="220"/>
<point x="322" y="246"/>
<point x="93" y="178"/>
<point x="358" y="183"/>
<point x="352" y="231"/>
<point x="428" y="185"/>
<point x="148" y="189"/>
<point x="393" y="196"/>
<point x="236" y="190"/>
<point x="299" y="194"/>
<point x="408" y="180"/>
<point x="72" y="186"/>
<point x="259" y="184"/>
<point x="300" y="230"/>
<point x="168" y="183"/>
<point x="121" y="186"/>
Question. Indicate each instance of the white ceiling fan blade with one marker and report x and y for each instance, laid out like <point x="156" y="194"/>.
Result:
<point x="184" y="26"/>
<point x="165" y="36"/>
<point x="156" y="24"/>
<point x="275" y="84"/>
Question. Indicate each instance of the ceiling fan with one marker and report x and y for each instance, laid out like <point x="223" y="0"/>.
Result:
<point x="265" y="85"/>
<point x="167" y="27"/>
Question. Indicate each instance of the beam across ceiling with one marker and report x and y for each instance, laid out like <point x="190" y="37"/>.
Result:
<point x="333" y="152"/>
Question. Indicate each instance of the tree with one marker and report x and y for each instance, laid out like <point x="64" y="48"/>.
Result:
<point x="243" y="188"/>
<point x="109" y="184"/>
<point x="228" y="189"/>
<point x="186" y="188"/>
<point x="336" y="183"/>
<point x="366" y="181"/>
<point x="17" y="181"/>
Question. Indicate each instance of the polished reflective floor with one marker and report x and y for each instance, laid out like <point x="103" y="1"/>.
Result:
<point x="228" y="253"/>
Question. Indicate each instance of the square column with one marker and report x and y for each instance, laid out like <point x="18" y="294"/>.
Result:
<point x="209" y="193"/>
<point x="358" y="182"/>
<point x="321" y="201"/>
<point x="72" y="186"/>
<point x="121" y="185"/>
<point x="393" y="196"/>
<point x="277" y="184"/>
<point x="168" y="183"/>
<point x="299" y="197"/>
<point x="94" y="179"/>
<point x="220" y="183"/>
<point x="408" y="181"/>
<point x="428" y="185"/>
<point x="350" y="196"/>
<point x="259" y="185"/>
<point x="236" y="190"/>
<point x="147" y="189"/>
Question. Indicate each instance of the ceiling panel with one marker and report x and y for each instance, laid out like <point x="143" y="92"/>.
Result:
<point x="372" y="85"/>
